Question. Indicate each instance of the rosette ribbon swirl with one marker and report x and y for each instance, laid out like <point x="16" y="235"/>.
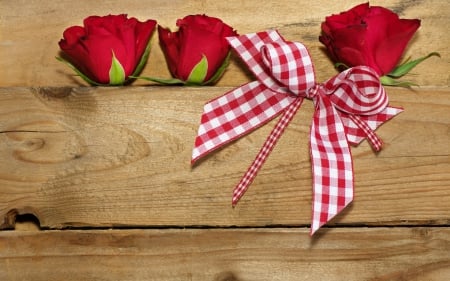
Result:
<point x="348" y="108"/>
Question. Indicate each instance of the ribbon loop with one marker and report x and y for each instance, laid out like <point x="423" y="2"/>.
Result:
<point x="357" y="90"/>
<point x="290" y="64"/>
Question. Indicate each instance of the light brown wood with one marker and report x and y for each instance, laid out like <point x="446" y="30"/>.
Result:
<point x="30" y="31"/>
<point x="95" y="158"/>
<point x="121" y="156"/>
<point x="413" y="254"/>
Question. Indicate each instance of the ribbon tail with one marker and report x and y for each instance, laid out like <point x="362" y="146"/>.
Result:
<point x="235" y="114"/>
<point x="371" y="136"/>
<point x="356" y="134"/>
<point x="266" y="149"/>
<point x="332" y="166"/>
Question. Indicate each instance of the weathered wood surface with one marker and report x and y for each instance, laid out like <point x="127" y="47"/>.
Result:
<point x="413" y="254"/>
<point x="121" y="156"/>
<point x="30" y="31"/>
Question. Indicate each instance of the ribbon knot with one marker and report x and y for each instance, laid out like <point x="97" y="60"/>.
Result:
<point x="312" y="92"/>
<point x="348" y="108"/>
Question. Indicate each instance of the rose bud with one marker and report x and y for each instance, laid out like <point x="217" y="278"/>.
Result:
<point x="372" y="36"/>
<point x="107" y="50"/>
<point x="196" y="54"/>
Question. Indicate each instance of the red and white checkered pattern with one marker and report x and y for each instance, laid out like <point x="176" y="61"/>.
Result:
<point x="331" y="163"/>
<point x="267" y="147"/>
<point x="355" y="135"/>
<point x="236" y="113"/>
<point x="348" y="108"/>
<point x="361" y="103"/>
<point x="248" y="47"/>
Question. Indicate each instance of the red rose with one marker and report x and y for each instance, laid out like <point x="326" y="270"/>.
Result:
<point x="109" y="49"/>
<point x="371" y="36"/>
<point x="197" y="52"/>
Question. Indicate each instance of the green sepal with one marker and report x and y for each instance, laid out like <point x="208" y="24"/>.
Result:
<point x="405" y="67"/>
<point x="144" y="58"/>
<point x="164" y="81"/>
<point x="389" y="81"/>
<point x="196" y="76"/>
<point x="340" y="64"/>
<point x="198" y="73"/>
<point x="219" y="71"/>
<point x="79" y="73"/>
<point x="116" y="72"/>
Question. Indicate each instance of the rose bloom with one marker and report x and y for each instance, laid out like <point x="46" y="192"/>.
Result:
<point x="371" y="36"/>
<point x="199" y="37"/>
<point x="108" y="49"/>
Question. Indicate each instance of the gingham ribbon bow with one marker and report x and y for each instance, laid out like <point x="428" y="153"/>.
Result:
<point x="348" y="108"/>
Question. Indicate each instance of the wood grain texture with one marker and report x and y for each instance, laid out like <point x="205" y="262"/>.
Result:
<point x="100" y="158"/>
<point x="30" y="31"/>
<point x="77" y="157"/>
<point x="413" y="254"/>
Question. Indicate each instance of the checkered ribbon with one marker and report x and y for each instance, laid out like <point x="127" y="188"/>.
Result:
<point x="348" y="108"/>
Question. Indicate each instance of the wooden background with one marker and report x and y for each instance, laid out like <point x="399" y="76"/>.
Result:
<point x="96" y="183"/>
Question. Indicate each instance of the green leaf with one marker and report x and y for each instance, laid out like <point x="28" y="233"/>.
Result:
<point x="198" y="73"/>
<point x="144" y="58"/>
<point x="389" y="81"/>
<point x="219" y="71"/>
<point x="404" y="68"/>
<point x="169" y="81"/>
<point x="116" y="72"/>
<point x="81" y="74"/>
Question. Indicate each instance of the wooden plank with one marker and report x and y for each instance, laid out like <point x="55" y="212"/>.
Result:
<point x="252" y="254"/>
<point x="30" y="31"/>
<point x="121" y="156"/>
